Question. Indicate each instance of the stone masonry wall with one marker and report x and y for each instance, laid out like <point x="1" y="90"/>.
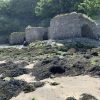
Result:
<point x="72" y="25"/>
<point x="17" y="38"/>
<point x="35" y="33"/>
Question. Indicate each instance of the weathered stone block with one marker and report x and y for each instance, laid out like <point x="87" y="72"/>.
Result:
<point x="17" y="38"/>
<point x="72" y="25"/>
<point x="36" y="33"/>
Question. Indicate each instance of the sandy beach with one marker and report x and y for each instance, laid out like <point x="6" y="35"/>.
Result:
<point x="68" y="86"/>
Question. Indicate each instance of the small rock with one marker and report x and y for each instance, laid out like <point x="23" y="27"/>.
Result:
<point x="94" y="54"/>
<point x="54" y="83"/>
<point x="70" y="98"/>
<point x="87" y="56"/>
<point x="29" y="88"/>
<point x="71" y="51"/>
<point x="52" y="76"/>
<point x="7" y="78"/>
<point x="38" y="84"/>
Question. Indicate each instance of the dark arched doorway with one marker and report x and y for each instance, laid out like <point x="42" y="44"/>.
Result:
<point x="86" y="31"/>
<point x="45" y="36"/>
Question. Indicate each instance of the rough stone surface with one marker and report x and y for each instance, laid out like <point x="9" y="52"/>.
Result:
<point x="36" y="33"/>
<point x="98" y="30"/>
<point x="17" y="38"/>
<point x="72" y="25"/>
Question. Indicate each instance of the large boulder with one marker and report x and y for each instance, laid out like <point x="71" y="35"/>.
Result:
<point x="36" y="33"/>
<point x="17" y="38"/>
<point x="72" y="25"/>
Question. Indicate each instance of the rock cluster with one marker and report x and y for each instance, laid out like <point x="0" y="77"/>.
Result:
<point x="9" y="89"/>
<point x="9" y="86"/>
<point x="10" y="69"/>
<point x="62" y="67"/>
<point x="83" y="97"/>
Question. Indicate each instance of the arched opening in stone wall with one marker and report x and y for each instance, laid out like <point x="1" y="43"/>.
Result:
<point x="86" y="31"/>
<point x="45" y="36"/>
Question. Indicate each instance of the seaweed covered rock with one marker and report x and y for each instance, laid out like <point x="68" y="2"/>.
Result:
<point x="70" y="98"/>
<point x="10" y="69"/>
<point x="12" y="88"/>
<point x="95" y="71"/>
<point x="49" y="66"/>
<point x="87" y="97"/>
<point x="58" y="67"/>
<point x="8" y="89"/>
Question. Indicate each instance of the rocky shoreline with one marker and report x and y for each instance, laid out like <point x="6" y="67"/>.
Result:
<point x="50" y="59"/>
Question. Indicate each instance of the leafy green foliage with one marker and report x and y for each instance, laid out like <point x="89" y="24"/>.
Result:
<point x="22" y="8"/>
<point x="15" y="15"/>
<point x="50" y="8"/>
<point x="33" y="98"/>
<point x="3" y="5"/>
<point x="8" y="25"/>
<point x="90" y="7"/>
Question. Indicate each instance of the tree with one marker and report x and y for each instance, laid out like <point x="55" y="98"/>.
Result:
<point x="3" y="6"/>
<point x="90" y="7"/>
<point x="50" y="8"/>
<point x="15" y="15"/>
<point x="8" y="25"/>
<point x="22" y="8"/>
